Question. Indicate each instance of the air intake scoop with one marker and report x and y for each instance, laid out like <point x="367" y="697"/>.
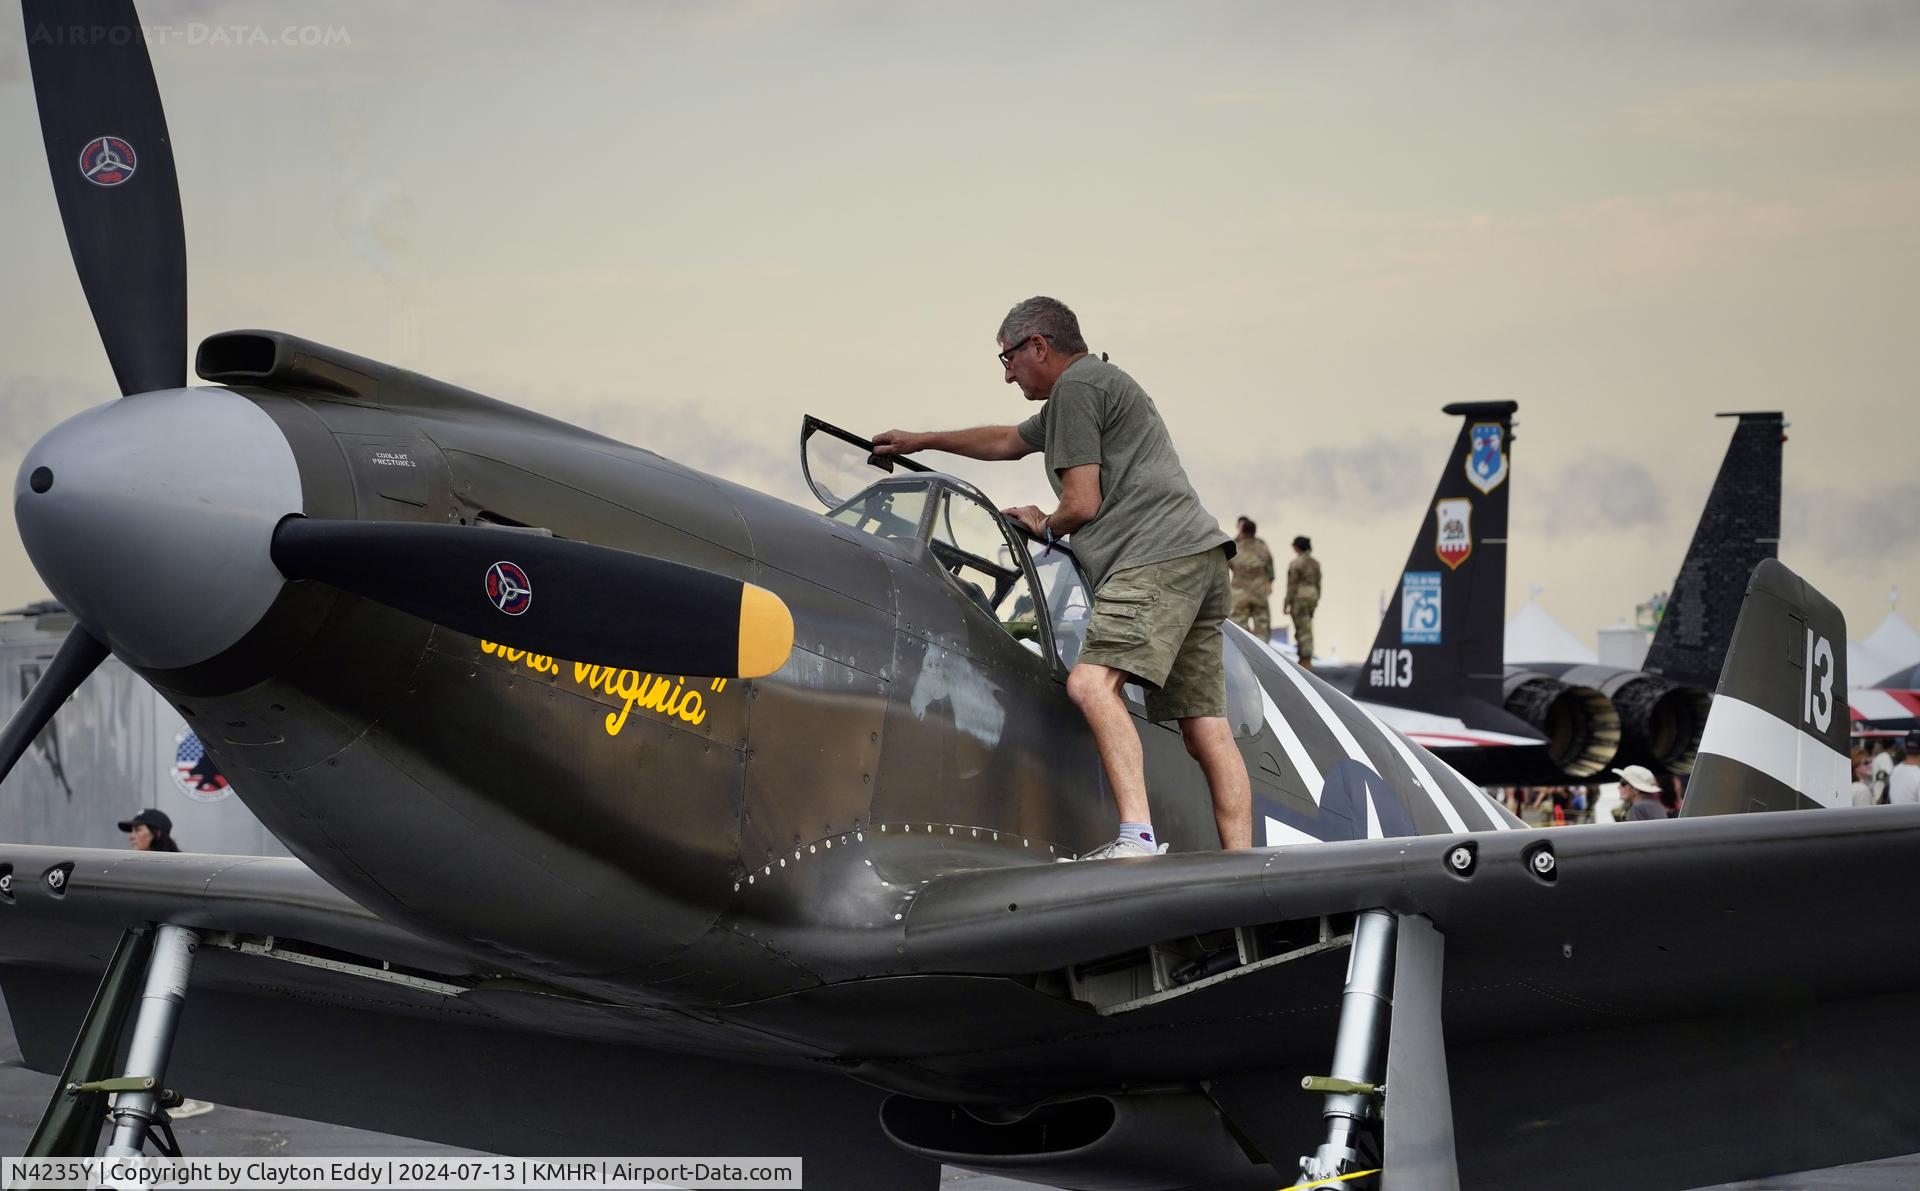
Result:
<point x="277" y="360"/>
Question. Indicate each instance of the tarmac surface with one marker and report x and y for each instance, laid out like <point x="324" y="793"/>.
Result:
<point x="239" y="1132"/>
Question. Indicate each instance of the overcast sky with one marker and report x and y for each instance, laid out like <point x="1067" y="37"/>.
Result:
<point x="1303" y="227"/>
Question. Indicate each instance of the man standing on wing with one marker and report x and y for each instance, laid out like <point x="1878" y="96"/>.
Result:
<point x="1156" y="559"/>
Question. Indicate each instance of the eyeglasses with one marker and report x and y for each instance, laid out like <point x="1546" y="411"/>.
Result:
<point x="1006" y="357"/>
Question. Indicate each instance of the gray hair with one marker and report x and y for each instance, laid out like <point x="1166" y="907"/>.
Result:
<point x="1043" y="316"/>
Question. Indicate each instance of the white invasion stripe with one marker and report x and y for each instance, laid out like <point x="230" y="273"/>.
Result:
<point x="1503" y="819"/>
<point x="1290" y="741"/>
<point x="1373" y="818"/>
<point x="1339" y="729"/>
<point x="1285" y="833"/>
<point x="1440" y="800"/>
<point x="1760" y="740"/>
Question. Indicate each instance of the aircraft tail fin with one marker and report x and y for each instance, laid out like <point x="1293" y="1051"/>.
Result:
<point x="1444" y="633"/>
<point x="1739" y="527"/>
<point x="1776" y="738"/>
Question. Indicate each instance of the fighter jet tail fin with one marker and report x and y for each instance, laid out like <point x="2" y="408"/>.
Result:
<point x="1443" y="636"/>
<point x="1739" y="527"/>
<point x="1776" y="738"/>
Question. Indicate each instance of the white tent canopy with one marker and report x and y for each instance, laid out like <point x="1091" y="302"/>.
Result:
<point x="1895" y="645"/>
<point x="1533" y="635"/>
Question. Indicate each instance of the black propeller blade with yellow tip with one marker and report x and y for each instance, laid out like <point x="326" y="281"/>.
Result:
<point x="547" y="595"/>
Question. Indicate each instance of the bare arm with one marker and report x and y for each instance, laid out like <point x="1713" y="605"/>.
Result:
<point x="1079" y="498"/>
<point x="981" y="442"/>
<point x="1079" y="504"/>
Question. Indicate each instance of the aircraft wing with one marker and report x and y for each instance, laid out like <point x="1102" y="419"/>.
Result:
<point x="1722" y="980"/>
<point x="1710" y="882"/>
<point x="301" y="1002"/>
<point x="66" y="907"/>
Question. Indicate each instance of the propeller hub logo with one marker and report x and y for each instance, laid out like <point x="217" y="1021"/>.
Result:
<point x="108" y="161"/>
<point x="509" y="588"/>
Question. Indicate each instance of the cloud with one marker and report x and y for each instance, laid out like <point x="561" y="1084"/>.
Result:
<point x="1770" y="110"/>
<point x="689" y="437"/>
<point x="35" y="404"/>
<point x="1877" y="523"/>
<point x="1382" y="476"/>
<point x="760" y="457"/>
<point x="1797" y="23"/>
<point x="1392" y="476"/>
<point x="1604" y="493"/>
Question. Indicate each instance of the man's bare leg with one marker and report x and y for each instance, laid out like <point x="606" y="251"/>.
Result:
<point x="1210" y="741"/>
<point x="1095" y="690"/>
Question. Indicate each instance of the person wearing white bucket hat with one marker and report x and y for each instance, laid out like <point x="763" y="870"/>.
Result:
<point x="1641" y="792"/>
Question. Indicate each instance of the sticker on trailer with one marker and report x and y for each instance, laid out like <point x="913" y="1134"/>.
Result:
<point x="194" y="772"/>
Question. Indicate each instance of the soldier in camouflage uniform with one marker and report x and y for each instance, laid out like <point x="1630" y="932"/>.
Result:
<point x="1303" y="595"/>
<point x="1252" y="573"/>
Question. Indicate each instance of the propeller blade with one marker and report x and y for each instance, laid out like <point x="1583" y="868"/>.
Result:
<point x="547" y="595"/>
<point x="79" y="654"/>
<point x="112" y="165"/>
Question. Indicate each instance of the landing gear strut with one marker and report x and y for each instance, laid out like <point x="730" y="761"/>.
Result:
<point x="1359" y="1048"/>
<point x="71" y="1126"/>
<point x="136" y="1108"/>
<point x="1389" y="1061"/>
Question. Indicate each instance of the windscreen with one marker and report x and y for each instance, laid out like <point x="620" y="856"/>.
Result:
<point x="838" y="464"/>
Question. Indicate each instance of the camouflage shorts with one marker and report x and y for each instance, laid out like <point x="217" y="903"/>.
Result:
<point x="1161" y="624"/>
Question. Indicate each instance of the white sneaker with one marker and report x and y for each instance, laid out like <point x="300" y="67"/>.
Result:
<point x="1118" y="848"/>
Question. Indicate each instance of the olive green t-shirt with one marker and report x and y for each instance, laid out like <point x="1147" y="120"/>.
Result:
<point x="1149" y="512"/>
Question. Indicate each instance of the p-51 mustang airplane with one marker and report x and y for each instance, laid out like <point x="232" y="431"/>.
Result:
<point x="1438" y="672"/>
<point x="637" y="812"/>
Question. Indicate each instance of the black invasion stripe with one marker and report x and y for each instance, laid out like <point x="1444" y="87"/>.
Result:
<point x="1467" y="799"/>
<point x="1723" y="786"/>
<point x="1312" y="731"/>
<point x="1387" y="762"/>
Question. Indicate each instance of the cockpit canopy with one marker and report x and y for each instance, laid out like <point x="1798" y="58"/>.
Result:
<point x="1008" y="574"/>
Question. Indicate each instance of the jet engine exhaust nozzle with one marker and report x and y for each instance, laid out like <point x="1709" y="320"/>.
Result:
<point x="1580" y="724"/>
<point x="1662" y="721"/>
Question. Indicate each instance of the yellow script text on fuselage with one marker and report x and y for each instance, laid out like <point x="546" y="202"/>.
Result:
<point x="655" y="693"/>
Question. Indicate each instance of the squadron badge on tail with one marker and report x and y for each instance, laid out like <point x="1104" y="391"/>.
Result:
<point x="1487" y="460"/>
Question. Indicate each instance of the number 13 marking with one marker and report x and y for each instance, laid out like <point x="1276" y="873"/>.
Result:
<point x="1816" y="704"/>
